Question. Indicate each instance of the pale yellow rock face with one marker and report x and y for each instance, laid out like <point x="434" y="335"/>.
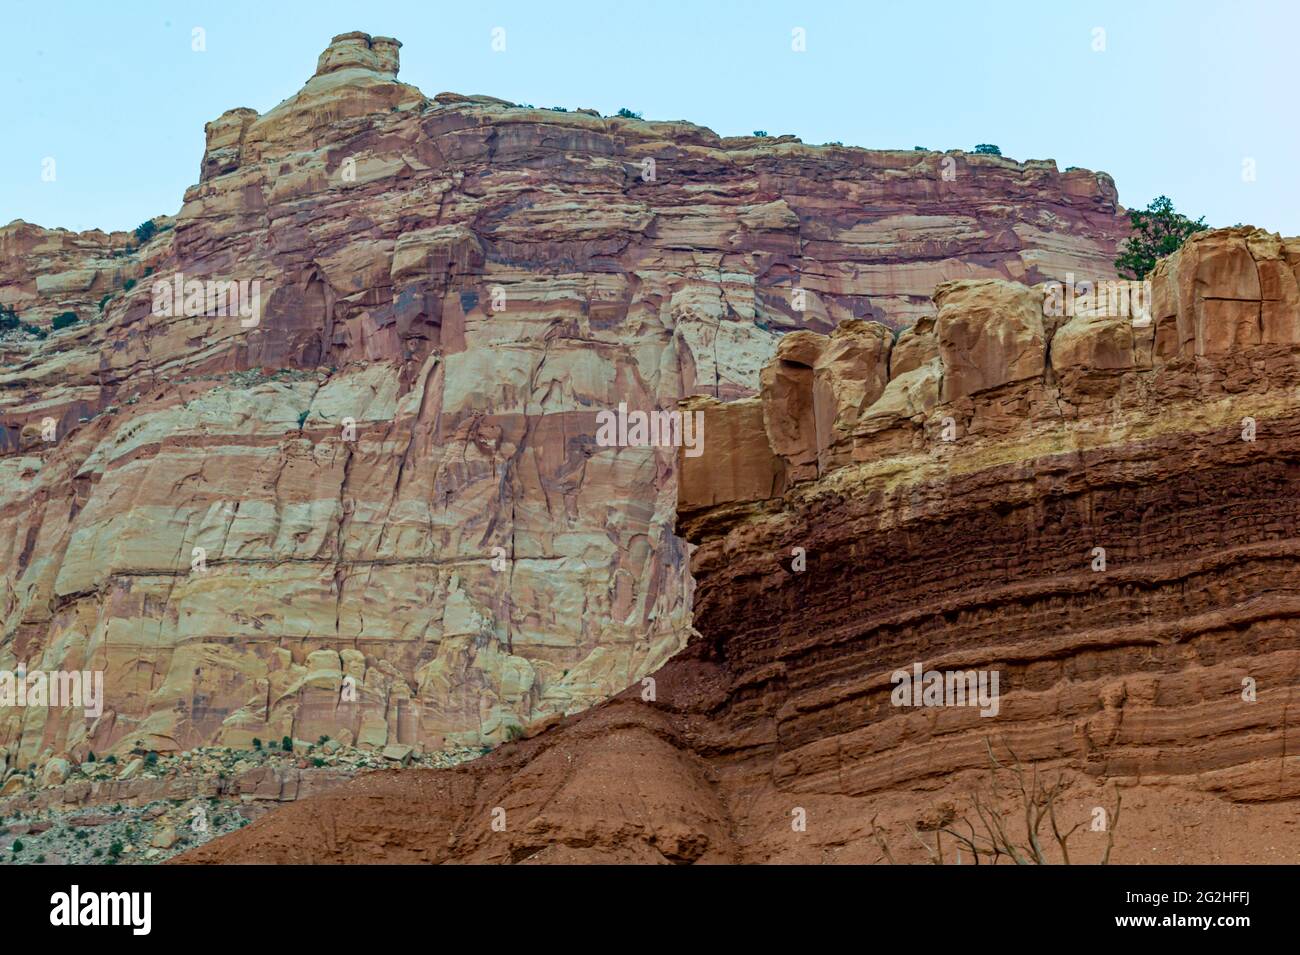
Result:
<point x="377" y="511"/>
<point x="908" y="397"/>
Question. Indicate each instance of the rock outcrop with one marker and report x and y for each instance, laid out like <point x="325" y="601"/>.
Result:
<point x="372" y="466"/>
<point x="1118" y="542"/>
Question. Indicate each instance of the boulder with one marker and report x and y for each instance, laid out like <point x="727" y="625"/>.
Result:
<point x="788" y="404"/>
<point x="850" y="375"/>
<point x="914" y="347"/>
<point x="398" y="753"/>
<point x="990" y="334"/>
<point x="55" y="771"/>
<point x="738" y="463"/>
<point x="1225" y="291"/>
<point x="164" y="837"/>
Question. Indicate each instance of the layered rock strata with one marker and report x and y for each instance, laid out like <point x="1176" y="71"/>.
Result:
<point x="384" y="475"/>
<point x="1101" y="511"/>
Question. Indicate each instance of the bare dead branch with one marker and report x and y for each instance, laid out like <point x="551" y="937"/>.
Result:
<point x="1037" y="799"/>
<point x="1113" y="823"/>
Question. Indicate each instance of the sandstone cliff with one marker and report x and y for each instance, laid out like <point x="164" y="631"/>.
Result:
<point x="1102" y="511"/>
<point x="389" y="475"/>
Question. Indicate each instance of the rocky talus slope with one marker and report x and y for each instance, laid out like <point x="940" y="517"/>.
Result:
<point x="1104" y="513"/>
<point x="155" y="806"/>
<point x="390" y="477"/>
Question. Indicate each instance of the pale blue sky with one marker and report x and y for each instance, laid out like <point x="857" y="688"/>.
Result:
<point x="1183" y="93"/>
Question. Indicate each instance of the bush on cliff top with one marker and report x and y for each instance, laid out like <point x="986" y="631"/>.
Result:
<point x="988" y="149"/>
<point x="1159" y="230"/>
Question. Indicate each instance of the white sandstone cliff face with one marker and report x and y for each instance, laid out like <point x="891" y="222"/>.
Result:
<point x="391" y="482"/>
